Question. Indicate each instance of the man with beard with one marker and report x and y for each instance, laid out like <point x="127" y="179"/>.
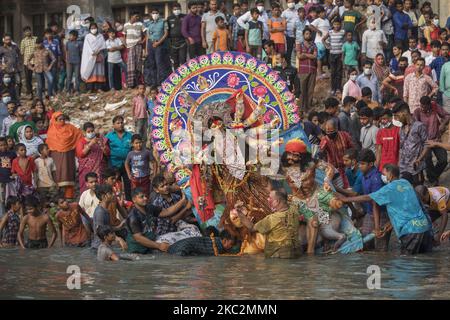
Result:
<point x="333" y="147"/>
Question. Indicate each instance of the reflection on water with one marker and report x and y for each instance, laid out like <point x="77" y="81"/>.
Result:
<point x="42" y="275"/>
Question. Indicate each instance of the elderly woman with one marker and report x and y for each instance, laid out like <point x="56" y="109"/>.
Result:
<point x="92" y="152"/>
<point x="62" y="139"/>
<point x="93" y="59"/>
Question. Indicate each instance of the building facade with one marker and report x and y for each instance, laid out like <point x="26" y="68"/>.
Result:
<point x="15" y="14"/>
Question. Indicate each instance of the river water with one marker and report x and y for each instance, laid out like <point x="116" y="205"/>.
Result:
<point x="42" y="274"/>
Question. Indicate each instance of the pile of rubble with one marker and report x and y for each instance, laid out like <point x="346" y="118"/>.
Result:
<point x="98" y="108"/>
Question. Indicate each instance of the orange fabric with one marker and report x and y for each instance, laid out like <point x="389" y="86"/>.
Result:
<point x="277" y="36"/>
<point x="220" y="38"/>
<point x="231" y="101"/>
<point x="62" y="138"/>
<point x="69" y="192"/>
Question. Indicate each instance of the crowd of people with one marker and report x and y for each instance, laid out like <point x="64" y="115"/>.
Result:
<point x="382" y="127"/>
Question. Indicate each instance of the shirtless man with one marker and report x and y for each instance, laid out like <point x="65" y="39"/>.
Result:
<point x="37" y="225"/>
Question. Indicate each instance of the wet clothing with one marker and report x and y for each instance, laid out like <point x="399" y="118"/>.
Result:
<point x="164" y="225"/>
<point x="11" y="229"/>
<point x="104" y="252"/>
<point x="145" y="224"/>
<point x="37" y="244"/>
<point x="196" y="246"/>
<point x="281" y="230"/>
<point x="415" y="243"/>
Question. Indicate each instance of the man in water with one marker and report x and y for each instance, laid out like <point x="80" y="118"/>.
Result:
<point x="203" y="246"/>
<point x="410" y="223"/>
<point x="37" y="226"/>
<point x="280" y="227"/>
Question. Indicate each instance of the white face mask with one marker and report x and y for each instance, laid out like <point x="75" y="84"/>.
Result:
<point x="397" y="123"/>
<point x="90" y="135"/>
<point x="367" y="71"/>
<point x="94" y="31"/>
<point x="260" y="8"/>
<point x="386" y="125"/>
<point x="384" y="179"/>
<point x="155" y="16"/>
<point x="436" y="22"/>
<point x="291" y="5"/>
<point x="176" y="12"/>
<point x="119" y="28"/>
<point x="353" y="77"/>
<point x="6" y="99"/>
<point x="146" y="20"/>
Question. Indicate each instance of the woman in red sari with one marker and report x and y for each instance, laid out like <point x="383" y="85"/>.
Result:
<point x="92" y="152"/>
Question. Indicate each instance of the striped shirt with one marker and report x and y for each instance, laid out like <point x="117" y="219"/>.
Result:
<point x="27" y="46"/>
<point x="336" y="41"/>
<point x="133" y="33"/>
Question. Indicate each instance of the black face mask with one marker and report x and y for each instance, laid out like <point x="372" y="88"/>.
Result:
<point x="332" y="135"/>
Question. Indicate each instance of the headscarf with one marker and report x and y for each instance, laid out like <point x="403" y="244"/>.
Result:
<point x="380" y="71"/>
<point x="31" y="144"/>
<point x="62" y="138"/>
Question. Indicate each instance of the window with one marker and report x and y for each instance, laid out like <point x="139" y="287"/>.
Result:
<point x="139" y="9"/>
<point x="119" y="14"/>
<point x="39" y="25"/>
<point x="6" y="25"/>
<point x="56" y="17"/>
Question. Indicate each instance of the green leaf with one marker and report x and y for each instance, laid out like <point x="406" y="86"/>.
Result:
<point x="250" y="78"/>
<point x="244" y="87"/>
<point x="183" y="110"/>
<point x="173" y="116"/>
<point x="254" y="83"/>
<point x="267" y="99"/>
<point x="171" y="109"/>
<point x="274" y="103"/>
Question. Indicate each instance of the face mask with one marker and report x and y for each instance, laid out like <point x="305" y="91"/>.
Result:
<point x="436" y="22"/>
<point x="291" y="5"/>
<point x="353" y="109"/>
<point x="119" y="28"/>
<point x="353" y="77"/>
<point x="6" y="81"/>
<point x="155" y="16"/>
<point x="332" y="135"/>
<point x="94" y="31"/>
<point x="397" y="123"/>
<point x="90" y="135"/>
<point x="6" y="99"/>
<point x="260" y="8"/>
<point x="367" y="71"/>
<point x="176" y="12"/>
<point x="384" y="179"/>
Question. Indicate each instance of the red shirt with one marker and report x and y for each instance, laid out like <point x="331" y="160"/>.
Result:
<point x="389" y="139"/>
<point x="27" y="175"/>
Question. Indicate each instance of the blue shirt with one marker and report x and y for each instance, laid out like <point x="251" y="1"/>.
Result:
<point x="119" y="147"/>
<point x="155" y="29"/>
<point x="393" y="64"/>
<point x="54" y="47"/>
<point x="372" y="83"/>
<point x="401" y="19"/>
<point x="403" y="207"/>
<point x="437" y="64"/>
<point x="371" y="182"/>
<point x="355" y="180"/>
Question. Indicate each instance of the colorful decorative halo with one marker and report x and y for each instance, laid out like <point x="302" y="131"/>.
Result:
<point x="212" y="78"/>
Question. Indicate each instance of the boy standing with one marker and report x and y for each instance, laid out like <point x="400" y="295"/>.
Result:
<point x="254" y="34"/>
<point x="37" y="227"/>
<point x="114" y="46"/>
<point x="350" y="50"/>
<point x="6" y="159"/>
<point x="45" y="173"/>
<point x="140" y="113"/>
<point x="221" y="36"/>
<point x="336" y="37"/>
<point x="137" y="165"/>
<point x="277" y="27"/>
<point x="73" y="61"/>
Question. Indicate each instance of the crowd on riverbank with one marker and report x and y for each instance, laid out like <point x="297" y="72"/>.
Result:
<point x="382" y="129"/>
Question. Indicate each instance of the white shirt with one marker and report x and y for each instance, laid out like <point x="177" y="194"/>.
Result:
<point x="263" y="17"/>
<point x="114" y="56"/>
<point x="291" y="16"/>
<point x="88" y="202"/>
<point x="407" y="54"/>
<point x="371" y="43"/>
<point x="323" y="25"/>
